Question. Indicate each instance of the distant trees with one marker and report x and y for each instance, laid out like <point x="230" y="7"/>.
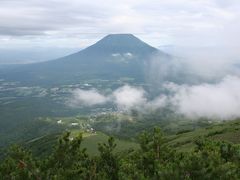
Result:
<point x="154" y="160"/>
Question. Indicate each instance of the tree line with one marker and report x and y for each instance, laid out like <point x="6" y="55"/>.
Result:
<point x="153" y="160"/>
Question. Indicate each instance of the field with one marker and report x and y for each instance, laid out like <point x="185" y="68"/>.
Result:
<point x="91" y="143"/>
<point x="225" y="131"/>
<point x="43" y="145"/>
<point x="181" y="141"/>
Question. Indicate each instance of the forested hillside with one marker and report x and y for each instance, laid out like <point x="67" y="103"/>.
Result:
<point x="155" y="158"/>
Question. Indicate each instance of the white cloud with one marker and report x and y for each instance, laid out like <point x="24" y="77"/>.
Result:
<point x="159" y="102"/>
<point x="125" y="98"/>
<point x="217" y="101"/>
<point x="49" y="23"/>
<point x="220" y="100"/>
<point x="192" y="65"/>
<point x="128" y="97"/>
<point x="87" y="98"/>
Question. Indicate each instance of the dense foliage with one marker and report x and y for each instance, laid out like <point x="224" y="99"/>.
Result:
<point x="153" y="160"/>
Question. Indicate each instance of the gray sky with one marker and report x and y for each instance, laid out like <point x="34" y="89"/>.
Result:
<point x="79" y="23"/>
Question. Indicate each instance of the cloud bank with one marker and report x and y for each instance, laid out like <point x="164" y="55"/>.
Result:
<point x="125" y="98"/>
<point x="87" y="98"/>
<point x="216" y="101"/>
<point x="128" y="97"/>
<point x="221" y="100"/>
<point x="65" y="23"/>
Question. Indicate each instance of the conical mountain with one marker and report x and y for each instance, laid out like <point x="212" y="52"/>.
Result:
<point x="113" y="57"/>
<point x="121" y="43"/>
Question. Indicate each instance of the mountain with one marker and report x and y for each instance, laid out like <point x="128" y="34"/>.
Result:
<point x="113" y="57"/>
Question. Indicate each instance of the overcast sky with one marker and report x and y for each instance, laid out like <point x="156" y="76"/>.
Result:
<point x="79" y="23"/>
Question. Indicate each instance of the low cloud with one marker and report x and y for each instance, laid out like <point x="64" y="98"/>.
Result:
<point x="217" y="101"/>
<point x="87" y="98"/>
<point x="198" y="81"/>
<point x="125" y="97"/>
<point x="192" y="66"/>
<point x="128" y="97"/>
<point x="158" y="102"/>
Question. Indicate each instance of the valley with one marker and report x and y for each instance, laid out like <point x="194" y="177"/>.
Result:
<point x="41" y="99"/>
<point x="109" y="92"/>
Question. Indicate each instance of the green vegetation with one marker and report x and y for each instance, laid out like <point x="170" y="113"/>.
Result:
<point x="155" y="159"/>
<point x="43" y="146"/>
<point x="130" y="125"/>
<point x="190" y="149"/>
<point x="225" y="131"/>
<point x="181" y="137"/>
<point x="91" y="143"/>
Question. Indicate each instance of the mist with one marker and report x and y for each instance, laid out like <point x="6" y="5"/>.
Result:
<point x="215" y="101"/>
<point x="127" y="97"/>
<point x="194" y="81"/>
<point x="198" y="82"/>
<point x="32" y="55"/>
<point x="82" y="97"/>
<point x="124" y="98"/>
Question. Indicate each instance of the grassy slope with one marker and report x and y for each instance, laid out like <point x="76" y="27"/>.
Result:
<point x="91" y="143"/>
<point x="225" y="131"/>
<point x="43" y="145"/>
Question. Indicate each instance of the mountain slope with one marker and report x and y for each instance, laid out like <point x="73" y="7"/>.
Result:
<point x="113" y="57"/>
<point x="183" y="141"/>
<point x="44" y="145"/>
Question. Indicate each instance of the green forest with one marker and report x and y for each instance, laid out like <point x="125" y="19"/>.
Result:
<point x="154" y="159"/>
